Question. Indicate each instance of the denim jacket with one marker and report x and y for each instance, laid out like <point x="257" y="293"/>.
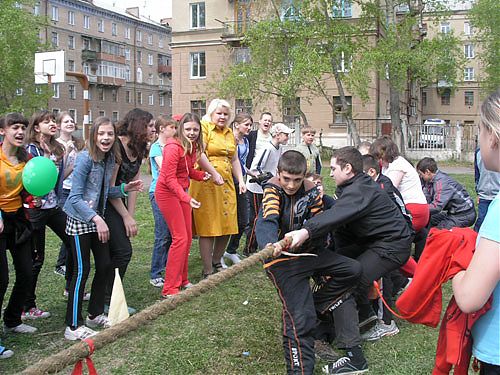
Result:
<point x="83" y="200"/>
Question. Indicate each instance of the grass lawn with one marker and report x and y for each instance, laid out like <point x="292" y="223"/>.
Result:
<point x="207" y="335"/>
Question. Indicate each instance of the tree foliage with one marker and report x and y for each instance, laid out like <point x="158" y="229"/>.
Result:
<point x="485" y="17"/>
<point x="19" y="41"/>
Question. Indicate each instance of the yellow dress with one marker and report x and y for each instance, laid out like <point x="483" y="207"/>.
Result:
<point x="217" y="214"/>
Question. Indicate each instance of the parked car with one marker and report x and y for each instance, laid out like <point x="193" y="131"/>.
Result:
<point x="433" y="134"/>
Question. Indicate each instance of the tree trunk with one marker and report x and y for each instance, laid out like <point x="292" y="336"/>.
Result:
<point x="397" y="132"/>
<point x="347" y="111"/>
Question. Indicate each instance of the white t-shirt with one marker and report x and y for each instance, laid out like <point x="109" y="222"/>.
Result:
<point x="262" y="140"/>
<point x="410" y="186"/>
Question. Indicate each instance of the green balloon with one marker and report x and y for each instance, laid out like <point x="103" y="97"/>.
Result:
<point x="39" y="176"/>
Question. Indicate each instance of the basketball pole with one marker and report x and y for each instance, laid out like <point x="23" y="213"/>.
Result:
<point x="84" y="82"/>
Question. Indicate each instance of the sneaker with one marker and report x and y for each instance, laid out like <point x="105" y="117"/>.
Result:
<point x="34" y="313"/>
<point x="86" y="295"/>
<point x="131" y="310"/>
<point x="379" y="330"/>
<point x="234" y="258"/>
<point x="80" y="333"/>
<point x="366" y="318"/>
<point x="346" y="367"/>
<point x="5" y="353"/>
<point x="60" y="270"/>
<point x="222" y="263"/>
<point x="99" y="321"/>
<point x="158" y="282"/>
<point x="21" y="328"/>
<point x="324" y="351"/>
<point x="187" y="286"/>
<point x="402" y="289"/>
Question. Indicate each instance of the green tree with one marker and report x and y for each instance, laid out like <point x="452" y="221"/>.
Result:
<point x="485" y="17"/>
<point x="19" y="41"/>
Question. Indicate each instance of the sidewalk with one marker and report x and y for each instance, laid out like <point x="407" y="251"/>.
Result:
<point x="457" y="170"/>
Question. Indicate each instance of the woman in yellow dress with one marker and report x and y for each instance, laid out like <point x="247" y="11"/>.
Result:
<point x="216" y="219"/>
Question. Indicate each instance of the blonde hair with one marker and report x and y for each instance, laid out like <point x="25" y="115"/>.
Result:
<point x="214" y="104"/>
<point x="490" y="113"/>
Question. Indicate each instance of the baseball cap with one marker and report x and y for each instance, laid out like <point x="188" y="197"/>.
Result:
<point x="280" y="128"/>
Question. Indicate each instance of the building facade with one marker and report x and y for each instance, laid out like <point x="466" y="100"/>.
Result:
<point x="125" y="56"/>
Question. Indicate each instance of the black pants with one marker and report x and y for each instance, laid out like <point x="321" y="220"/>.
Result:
<point x="81" y="246"/>
<point x="291" y="279"/>
<point x="254" y="203"/>
<point x="242" y="211"/>
<point x="120" y="247"/>
<point x="21" y="256"/>
<point x="55" y="219"/>
<point x="61" y="258"/>
<point x="489" y="369"/>
<point x="444" y="220"/>
<point x="374" y="267"/>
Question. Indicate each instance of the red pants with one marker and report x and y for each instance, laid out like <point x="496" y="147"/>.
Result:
<point x="177" y="214"/>
<point x="420" y="218"/>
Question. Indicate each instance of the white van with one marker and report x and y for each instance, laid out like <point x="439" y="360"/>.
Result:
<point x="433" y="134"/>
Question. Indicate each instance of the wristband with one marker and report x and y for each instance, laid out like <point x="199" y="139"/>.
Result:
<point x="122" y="188"/>
<point x="0" y="215"/>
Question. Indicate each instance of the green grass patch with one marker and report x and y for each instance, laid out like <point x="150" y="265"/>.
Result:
<point x="207" y="335"/>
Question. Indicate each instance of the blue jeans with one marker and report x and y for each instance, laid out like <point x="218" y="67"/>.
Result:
<point x="163" y="239"/>
<point x="482" y="209"/>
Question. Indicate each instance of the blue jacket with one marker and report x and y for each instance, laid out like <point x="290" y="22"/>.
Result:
<point x="83" y="200"/>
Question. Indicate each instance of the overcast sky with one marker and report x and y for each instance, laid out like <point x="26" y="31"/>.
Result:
<point x="155" y="9"/>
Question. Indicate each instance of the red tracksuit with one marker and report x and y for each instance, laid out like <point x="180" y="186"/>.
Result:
<point x="173" y="200"/>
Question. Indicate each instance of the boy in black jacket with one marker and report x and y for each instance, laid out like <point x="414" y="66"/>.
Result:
<point x="289" y="201"/>
<point x="368" y="227"/>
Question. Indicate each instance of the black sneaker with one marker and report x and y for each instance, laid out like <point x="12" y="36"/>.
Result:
<point x="366" y="317"/>
<point x="324" y="351"/>
<point x="60" y="270"/>
<point x="346" y="367"/>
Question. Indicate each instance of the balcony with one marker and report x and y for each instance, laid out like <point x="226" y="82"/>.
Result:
<point x="233" y="32"/>
<point x="92" y="78"/>
<point x="109" y="57"/>
<point x="164" y="69"/>
<point x="110" y="81"/>
<point x="165" y="87"/>
<point x="89" y="55"/>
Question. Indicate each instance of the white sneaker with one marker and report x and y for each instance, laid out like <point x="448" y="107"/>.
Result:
<point x="21" y="328"/>
<point x="99" y="321"/>
<point x="234" y="258"/>
<point x="5" y="353"/>
<point x="222" y="263"/>
<point x="158" y="282"/>
<point x="80" y="333"/>
<point x="379" y="330"/>
<point x="86" y="295"/>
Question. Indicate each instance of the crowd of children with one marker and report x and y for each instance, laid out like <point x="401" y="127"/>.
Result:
<point x="245" y="182"/>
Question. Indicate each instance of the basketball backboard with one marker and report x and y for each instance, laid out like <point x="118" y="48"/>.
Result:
<point x="49" y="64"/>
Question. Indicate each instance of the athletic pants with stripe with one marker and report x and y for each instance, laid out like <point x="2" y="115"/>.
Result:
<point x="291" y="278"/>
<point x="81" y="245"/>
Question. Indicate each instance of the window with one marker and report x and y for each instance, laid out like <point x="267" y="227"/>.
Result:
<point x="424" y="98"/>
<point x="151" y="99"/>
<point x="55" y="39"/>
<point x="160" y="42"/>
<point x="445" y="27"/>
<point x="445" y="97"/>
<point x="469" y="74"/>
<point x="71" y="65"/>
<point x="55" y="111"/>
<point x="127" y="32"/>
<point x="90" y="116"/>
<point x="102" y="113"/>
<point x="86" y="22"/>
<point x="55" y="88"/>
<point x="55" y="13"/>
<point x="36" y="9"/>
<point x="72" y="92"/>
<point x="100" y="93"/>
<point x="86" y="68"/>
<point x="38" y="90"/>
<point x="100" y="25"/>
<point x="345" y="63"/>
<point x="114" y="95"/>
<point x="289" y="10"/>
<point x="343" y="8"/>
<point x="72" y="113"/>
<point x="71" y="42"/>
<point x="128" y="76"/>
<point x="114" y="116"/>
<point x="127" y="54"/>
<point x="468" y="28"/>
<point x="291" y="111"/>
<point x="469" y="51"/>
<point x="128" y="97"/>
<point x="150" y="39"/>
<point x="150" y="79"/>
<point x="71" y="17"/>
<point x="197" y="62"/>
<point x="113" y="29"/>
<point x="86" y="43"/>
<point x="139" y="97"/>
<point x="469" y="98"/>
<point x="161" y="99"/>
<point x="139" y="75"/>
<point x="199" y="107"/>
<point x="243" y="105"/>
<point x="150" y="59"/>
<point x="139" y="56"/>
<point x="340" y="115"/>
<point x="138" y="35"/>
<point x="197" y="15"/>
<point x="19" y="92"/>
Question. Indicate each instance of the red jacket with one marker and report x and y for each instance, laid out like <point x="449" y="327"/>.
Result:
<point x="176" y="169"/>
<point x="446" y="253"/>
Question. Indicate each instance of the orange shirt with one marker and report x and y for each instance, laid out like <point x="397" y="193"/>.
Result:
<point x="11" y="184"/>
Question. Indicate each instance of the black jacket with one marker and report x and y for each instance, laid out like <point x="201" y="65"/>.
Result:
<point x="281" y="213"/>
<point x="252" y="142"/>
<point x="364" y="217"/>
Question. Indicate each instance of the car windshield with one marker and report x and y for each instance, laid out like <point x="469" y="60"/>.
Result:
<point x="435" y="130"/>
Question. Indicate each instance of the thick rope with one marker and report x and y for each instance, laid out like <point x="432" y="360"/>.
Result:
<point x="59" y="361"/>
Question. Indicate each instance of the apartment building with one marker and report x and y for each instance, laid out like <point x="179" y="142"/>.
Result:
<point x="462" y="104"/>
<point x="126" y="57"/>
<point x="207" y="35"/>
